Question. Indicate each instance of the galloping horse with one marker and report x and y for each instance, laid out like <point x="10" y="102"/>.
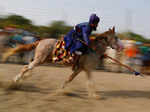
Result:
<point x="44" y="51"/>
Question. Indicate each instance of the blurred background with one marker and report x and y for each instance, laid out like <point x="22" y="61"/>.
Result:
<point x="24" y="22"/>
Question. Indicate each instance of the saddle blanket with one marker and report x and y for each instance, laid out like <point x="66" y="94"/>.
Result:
<point x="61" y="54"/>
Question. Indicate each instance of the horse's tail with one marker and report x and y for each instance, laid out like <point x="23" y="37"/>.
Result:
<point x="18" y="49"/>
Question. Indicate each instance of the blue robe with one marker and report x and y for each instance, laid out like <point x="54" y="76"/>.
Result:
<point x="71" y="39"/>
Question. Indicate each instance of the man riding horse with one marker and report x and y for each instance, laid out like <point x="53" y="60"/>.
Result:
<point x="77" y="40"/>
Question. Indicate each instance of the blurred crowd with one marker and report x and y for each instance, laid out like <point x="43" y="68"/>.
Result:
<point x="10" y="38"/>
<point x="138" y="54"/>
<point x="135" y="55"/>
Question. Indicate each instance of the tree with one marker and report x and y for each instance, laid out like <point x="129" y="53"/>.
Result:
<point x="15" y="21"/>
<point x="133" y="36"/>
<point x="136" y="37"/>
<point x="57" y="28"/>
<point x="18" y="20"/>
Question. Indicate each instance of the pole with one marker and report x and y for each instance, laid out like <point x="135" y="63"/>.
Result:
<point x="129" y="68"/>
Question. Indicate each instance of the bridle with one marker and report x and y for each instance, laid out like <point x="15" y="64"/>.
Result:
<point x="106" y="41"/>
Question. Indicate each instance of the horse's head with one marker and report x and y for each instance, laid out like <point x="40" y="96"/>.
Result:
<point x="110" y="39"/>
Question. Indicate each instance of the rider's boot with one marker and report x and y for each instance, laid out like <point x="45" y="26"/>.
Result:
<point x="76" y="60"/>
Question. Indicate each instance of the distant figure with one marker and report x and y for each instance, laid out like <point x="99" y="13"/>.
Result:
<point x="130" y="53"/>
<point x="146" y="61"/>
<point x="15" y="39"/>
<point x="29" y="39"/>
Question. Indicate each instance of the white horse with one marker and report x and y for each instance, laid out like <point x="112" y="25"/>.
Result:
<point x="44" y="51"/>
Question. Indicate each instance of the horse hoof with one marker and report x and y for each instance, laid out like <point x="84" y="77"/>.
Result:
<point x="94" y="96"/>
<point x="59" y="92"/>
<point x="14" y="85"/>
<point x="16" y="80"/>
<point x="63" y="85"/>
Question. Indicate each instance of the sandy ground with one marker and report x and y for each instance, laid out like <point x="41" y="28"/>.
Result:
<point x="118" y="92"/>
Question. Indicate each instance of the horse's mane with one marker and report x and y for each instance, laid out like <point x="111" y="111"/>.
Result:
<point x="110" y="31"/>
<point x="102" y="34"/>
<point x="102" y="37"/>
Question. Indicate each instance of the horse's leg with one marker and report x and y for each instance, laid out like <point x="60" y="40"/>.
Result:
<point x="71" y="77"/>
<point x="90" y="84"/>
<point x="25" y="69"/>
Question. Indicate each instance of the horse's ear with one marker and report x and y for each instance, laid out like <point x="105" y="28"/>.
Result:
<point x="113" y="29"/>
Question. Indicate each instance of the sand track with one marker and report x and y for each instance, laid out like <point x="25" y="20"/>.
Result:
<point x="118" y="92"/>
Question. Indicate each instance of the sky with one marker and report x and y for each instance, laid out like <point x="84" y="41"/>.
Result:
<point x="123" y="14"/>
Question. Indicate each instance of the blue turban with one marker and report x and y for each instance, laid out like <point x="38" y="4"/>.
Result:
<point x="94" y="19"/>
